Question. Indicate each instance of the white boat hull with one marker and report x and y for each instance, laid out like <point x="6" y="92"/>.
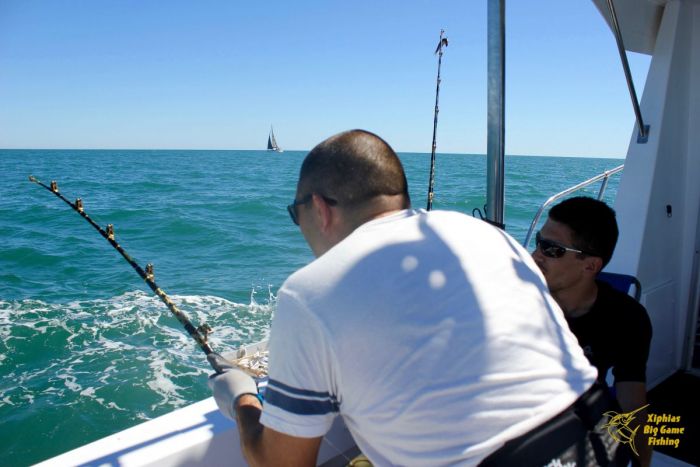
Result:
<point x="194" y="435"/>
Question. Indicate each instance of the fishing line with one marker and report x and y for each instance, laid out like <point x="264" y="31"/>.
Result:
<point x="199" y="334"/>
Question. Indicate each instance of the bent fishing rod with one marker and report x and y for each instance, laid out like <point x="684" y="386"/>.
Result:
<point x="199" y="334"/>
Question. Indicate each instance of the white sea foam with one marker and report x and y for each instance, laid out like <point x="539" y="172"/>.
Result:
<point x="104" y="350"/>
<point x="108" y="344"/>
<point x="70" y="382"/>
<point x="107" y="373"/>
<point x="163" y="384"/>
<point x="111" y="405"/>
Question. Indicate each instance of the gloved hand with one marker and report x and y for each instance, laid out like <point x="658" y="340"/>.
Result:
<point x="229" y="384"/>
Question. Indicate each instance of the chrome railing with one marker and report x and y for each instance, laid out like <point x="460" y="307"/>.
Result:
<point x="603" y="176"/>
<point x="643" y="129"/>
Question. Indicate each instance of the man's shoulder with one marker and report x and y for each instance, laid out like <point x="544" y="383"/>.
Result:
<point x="617" y="304"/>
<point x="608" y="295"/>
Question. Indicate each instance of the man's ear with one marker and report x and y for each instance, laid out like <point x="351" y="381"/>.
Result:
<point x="323" y="211"/>
<point x="593" y="265"/>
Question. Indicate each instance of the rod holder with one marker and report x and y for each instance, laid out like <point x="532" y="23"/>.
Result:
<point x="643" y="136"/>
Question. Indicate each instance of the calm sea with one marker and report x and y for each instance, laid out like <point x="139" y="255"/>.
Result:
<point x="86" y="350"/>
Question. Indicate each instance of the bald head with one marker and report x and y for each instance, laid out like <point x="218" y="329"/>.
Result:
<point x="354" y="168"/>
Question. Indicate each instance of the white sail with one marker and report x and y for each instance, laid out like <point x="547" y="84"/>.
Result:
<point x="272" y="142"/>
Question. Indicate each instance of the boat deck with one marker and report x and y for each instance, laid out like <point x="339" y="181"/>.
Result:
<point x="678" y="396"/>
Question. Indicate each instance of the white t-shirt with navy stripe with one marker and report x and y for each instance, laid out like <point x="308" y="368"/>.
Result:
<point x="432" y="334"/>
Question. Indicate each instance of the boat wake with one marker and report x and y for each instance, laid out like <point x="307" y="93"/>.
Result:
<point x="111" y="362"/>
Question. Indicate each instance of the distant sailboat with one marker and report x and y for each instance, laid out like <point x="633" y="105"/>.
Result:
<point x="272" y="142"/>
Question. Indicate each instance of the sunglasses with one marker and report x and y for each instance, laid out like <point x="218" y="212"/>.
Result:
<point x="292" y="208"/>
<point x="553" y="249"/>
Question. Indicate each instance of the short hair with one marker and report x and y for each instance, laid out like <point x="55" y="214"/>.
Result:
<point x="592" y="223"/>
<point x="352" y="167"/>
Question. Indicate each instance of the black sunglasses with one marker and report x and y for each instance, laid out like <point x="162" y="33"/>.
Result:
<point x="553" y="249"/>
<point x="292" y="208"/>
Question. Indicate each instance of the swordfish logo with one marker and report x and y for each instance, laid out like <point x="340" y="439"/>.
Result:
<point x="619" y="427"/>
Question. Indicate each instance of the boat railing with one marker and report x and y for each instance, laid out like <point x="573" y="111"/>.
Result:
<point x="643" y="135"/>
<point x="605" y="176"/>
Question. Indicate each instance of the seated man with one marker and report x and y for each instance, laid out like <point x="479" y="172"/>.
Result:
<point x="431" y="333"/>
<point x="613" y="329"/>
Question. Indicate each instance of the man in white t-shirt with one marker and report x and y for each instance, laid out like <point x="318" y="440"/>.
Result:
<point x="431" y="333"/>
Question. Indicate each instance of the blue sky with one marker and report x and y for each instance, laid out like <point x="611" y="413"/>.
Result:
<point x="215" y="74"/>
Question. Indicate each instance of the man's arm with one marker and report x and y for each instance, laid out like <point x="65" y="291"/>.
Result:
<point x="266" y="447"/>
<point x="632" y="395"/>
<point x="235" y="393"/>
<point x="630" y="374"/>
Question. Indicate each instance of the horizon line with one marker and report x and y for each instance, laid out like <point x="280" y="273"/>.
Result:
<point x="303" y="150"/>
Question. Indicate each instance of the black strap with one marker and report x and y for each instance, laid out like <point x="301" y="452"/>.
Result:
<point x="575" y="435"/>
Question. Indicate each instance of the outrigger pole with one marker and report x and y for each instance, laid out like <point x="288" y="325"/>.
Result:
<point x="496" y="136"/>
<point x="199" y="334"/>
<point x="431" y="183"/>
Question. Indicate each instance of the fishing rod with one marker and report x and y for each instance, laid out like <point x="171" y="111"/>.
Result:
<point x="431" y="183"/>
<point x="199" y="334"/>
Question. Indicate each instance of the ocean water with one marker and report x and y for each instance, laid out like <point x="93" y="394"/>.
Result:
<point x="87" y="350"/>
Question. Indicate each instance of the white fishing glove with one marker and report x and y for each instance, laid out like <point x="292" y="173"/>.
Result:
<point x="229" y="384"/>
